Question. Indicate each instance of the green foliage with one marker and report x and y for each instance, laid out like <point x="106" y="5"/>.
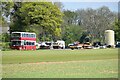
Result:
<point x="5" y="41"/>
<point x="5" y="12"/>
<point x="82" y="38"/>
<point x="71" y="30"/>
<point x="6" y="46"/>
<point x="70" y="17"/>
<point x="71" y="34"/>
<point x="43" y="16"/>
<point x="45" y="19"/>
<point x="5" y="37"/>
<point x="117" y="29"/>
<point x="6" y="7"/>
<point x="0" y="37"/>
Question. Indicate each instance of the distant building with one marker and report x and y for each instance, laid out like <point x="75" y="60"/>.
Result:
<point x="4" y="29"/>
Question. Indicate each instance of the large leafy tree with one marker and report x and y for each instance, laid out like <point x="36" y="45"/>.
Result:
<point x="40" y="17"/>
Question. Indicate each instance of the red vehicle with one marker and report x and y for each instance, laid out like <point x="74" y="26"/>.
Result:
<point x="23" y="41"/>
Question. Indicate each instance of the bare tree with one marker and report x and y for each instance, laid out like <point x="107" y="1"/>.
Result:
<point x="96" y="21"/>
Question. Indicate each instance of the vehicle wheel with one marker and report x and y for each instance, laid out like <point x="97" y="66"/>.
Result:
<point x="72" y="48"/>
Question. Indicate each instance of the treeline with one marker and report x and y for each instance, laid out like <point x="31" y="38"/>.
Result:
<point x="90" y="23"/>
<point x="50" y="22"/>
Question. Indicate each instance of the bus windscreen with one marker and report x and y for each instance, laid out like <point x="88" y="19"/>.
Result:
<point x="15" y="34"/>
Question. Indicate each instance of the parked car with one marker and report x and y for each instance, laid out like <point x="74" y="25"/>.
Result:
<point x="44" y="45"/>
<point x="118" y="44"/>
<point x="87" y="46"/>
<point x="75" y="45"/>
<point x="103" y="47"/>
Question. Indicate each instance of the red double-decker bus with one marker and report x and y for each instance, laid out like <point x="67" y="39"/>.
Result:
<point x="23" y="41"/>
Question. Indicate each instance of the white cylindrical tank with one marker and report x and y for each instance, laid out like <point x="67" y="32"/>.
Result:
<point x="109" y="37"/>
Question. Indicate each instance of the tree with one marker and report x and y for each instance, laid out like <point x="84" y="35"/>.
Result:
<point x="70" y="17"/>
<point x="39" y="17"/>
<point x="71" y="30"/>
<point x="82" y="38"/>
<point x="6" y="8"/>
<point x="59" y="5"/>
<point x="116" y="25"/>
<point x="95" y="22"/>
<point x="4" y="13"/>
<point x="71" y="33"/>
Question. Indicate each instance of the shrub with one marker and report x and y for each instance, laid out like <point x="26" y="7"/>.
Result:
<point x="5" y="37"/>
<point x="5" y="46"/>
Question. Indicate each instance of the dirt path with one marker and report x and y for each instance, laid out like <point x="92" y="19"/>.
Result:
<point x="68" y="61"/>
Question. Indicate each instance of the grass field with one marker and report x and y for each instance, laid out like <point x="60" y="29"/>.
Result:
<point x="99" y="63"/>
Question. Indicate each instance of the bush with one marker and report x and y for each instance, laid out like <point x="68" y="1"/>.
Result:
<point x="5" y="46"/>
<point x="5" y="37"/>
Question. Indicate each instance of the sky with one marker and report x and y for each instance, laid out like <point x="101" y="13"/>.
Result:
<point x="113" y="6"/>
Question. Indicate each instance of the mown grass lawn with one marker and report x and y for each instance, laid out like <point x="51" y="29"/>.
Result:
<point x="99" y="63"/>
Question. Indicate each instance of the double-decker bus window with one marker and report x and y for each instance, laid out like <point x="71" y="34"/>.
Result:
<point x="31" y="35"/>
<point x="29" y="43"/>
<point x="22" y="35"/>
<point x="26" y="43"/>
<point x="34" y="35"/>
<point x="27" y="35"/>
<point x="16" y="35"/>
<point x="32" y="43"/>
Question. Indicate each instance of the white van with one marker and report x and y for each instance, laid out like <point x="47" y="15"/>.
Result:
<point x="59" y="44"/>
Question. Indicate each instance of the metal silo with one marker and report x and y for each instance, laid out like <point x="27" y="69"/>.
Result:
<point x="109" y="38"/>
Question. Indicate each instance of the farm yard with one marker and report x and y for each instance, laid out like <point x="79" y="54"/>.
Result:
<point x="84" y="63"/>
